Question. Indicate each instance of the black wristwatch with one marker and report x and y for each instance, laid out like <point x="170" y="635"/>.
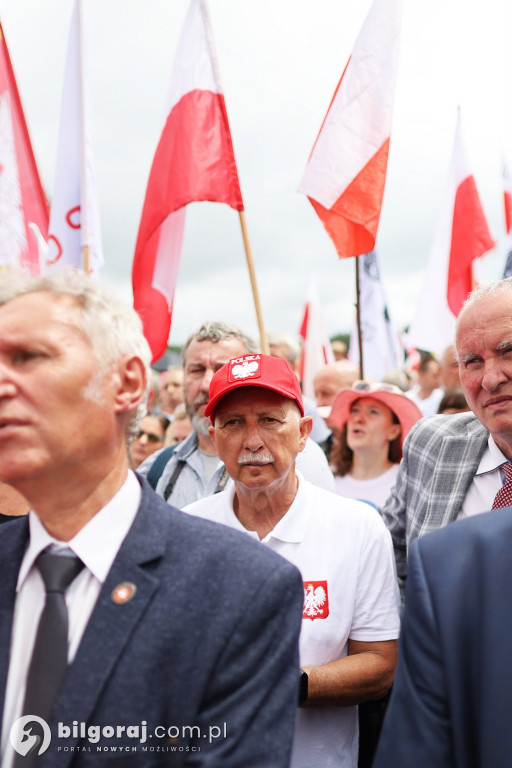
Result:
<point x="303" y="687"/>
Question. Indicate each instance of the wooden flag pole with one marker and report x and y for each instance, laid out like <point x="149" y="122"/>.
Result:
<point x="87" y="264"/>
<point x="250" y="265"/>
<point x="359" y="327"/>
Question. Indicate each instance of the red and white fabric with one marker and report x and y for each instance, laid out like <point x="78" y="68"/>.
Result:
<point x="74" y="214"/>
<point x="23" y="204"/>
<point x="346" y="172"/>
<point x="316" y="347"/>
<point x="194" y="160"/>
<point x="507" y="197"/>
<point x="461" y="235"/>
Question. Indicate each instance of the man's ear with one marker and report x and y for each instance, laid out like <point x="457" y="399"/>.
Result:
<point x="305" y="426"/>
<point x="130" y="381"/>
<point x="211" y="432"/>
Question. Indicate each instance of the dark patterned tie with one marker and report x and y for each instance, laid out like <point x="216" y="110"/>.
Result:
<point x="50" y="654"/>
<point x="504" y="496"/>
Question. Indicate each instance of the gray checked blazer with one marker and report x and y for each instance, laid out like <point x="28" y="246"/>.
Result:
<point x="441" y="456"/>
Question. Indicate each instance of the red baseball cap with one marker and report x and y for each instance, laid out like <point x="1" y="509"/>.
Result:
<point x="263" y="371"/>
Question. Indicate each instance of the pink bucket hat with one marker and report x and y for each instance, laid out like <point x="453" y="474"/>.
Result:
<point x="404" y="409"/>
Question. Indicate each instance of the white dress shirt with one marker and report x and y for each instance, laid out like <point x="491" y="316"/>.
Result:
<point x="97" y="545"/>
<point x="486" y="483"/>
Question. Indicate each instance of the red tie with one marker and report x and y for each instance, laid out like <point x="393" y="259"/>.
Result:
<point x="504" y="496"/>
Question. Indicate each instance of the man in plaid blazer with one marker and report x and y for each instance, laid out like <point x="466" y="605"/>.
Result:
<point x="441" y="458"/>
<point x="453" y="465"/>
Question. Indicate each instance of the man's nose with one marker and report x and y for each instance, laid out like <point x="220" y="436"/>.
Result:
<point x="494" y="375"/>
<point x="252" y="438"/>
<point x="7" y="386"/>
<point x="207" y="377"/>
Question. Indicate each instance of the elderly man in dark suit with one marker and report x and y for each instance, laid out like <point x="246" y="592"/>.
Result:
<point x="130" y="633"/>
<point x="450" y="702"/>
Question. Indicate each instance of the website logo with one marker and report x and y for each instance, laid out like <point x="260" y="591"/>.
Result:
<point x="24" y="741"/>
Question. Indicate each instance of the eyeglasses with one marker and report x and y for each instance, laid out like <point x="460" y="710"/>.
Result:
<point x="371" y="386"/>
<point x="150" y="436"/>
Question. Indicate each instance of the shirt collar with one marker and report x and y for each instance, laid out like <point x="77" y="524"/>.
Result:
<point x="492" y="458"/>
<point x="98" y="542"/>
<point x="292" y="526"/>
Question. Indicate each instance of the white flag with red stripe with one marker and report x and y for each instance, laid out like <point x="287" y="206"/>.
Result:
<point x="194" y="161"/>
<point x="462" y="235"/>
<point x="23" y="204"/>
<point x="74" y="213"/>
<point x="507" y="201"/>
<point x="507" y="197"/>
<point x="346" y="173"/>
<point x="316" y="347"/>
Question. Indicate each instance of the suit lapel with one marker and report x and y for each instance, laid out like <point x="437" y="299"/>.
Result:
<point x="111" y="625"/>
<point x="13" y="542"/>
<point x="455" y="468"/>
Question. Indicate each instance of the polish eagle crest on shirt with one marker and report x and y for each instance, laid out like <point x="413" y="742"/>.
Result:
<point x="316" y="600"/>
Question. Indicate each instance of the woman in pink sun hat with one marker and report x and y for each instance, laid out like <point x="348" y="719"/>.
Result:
<point x="371" y="421"/>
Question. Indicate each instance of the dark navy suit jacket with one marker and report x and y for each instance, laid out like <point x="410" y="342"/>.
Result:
<point x="208" y="642"/>
<point x="451" y="705"/>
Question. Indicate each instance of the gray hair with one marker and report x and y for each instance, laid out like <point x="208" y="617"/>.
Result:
<point x="218" y="331"/>
<point x="112" y="328"/>
<point x="497" y="288"/>
<point x="278" y="338"/>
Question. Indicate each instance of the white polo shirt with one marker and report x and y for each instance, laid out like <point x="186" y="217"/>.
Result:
<point x="345" y="555"/>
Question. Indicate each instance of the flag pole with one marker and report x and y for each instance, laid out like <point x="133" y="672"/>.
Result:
<point x="84" y="213"/>
<point x="252" y="275"/>
<point x="243" y="223"/>
<point x="359" y="326"/>
<point x="87" y="261"/>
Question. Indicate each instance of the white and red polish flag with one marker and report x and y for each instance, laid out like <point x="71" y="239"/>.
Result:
<point x="194" y="160"/>
<point x="346" y="172"/>
<point x="23" y="204"/>
<point x="507" y="197"/>
<point x="316" y="347"/>
<point x="461" y="236"/>
<point x="74" y="214"/>
<point x="507" y="200"/>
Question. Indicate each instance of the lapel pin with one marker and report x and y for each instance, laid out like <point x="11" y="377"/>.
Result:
<point x="124" y="592"/>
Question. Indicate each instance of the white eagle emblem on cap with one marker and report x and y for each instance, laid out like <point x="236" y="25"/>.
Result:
<point x="244" y="370"/>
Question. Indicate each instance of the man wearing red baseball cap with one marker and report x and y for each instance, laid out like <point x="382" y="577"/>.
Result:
<point x="342" y="548"/>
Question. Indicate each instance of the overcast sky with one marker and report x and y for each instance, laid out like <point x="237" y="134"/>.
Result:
<point x="280" y="61"/>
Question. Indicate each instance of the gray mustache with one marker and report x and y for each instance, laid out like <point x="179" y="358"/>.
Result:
<point x="255" y="458"/>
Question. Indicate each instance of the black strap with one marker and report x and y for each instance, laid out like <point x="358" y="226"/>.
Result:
<point x="222" y="482"/>
<point x="169" y="488"/>
<point x="177" y="472"/>
<point x="158" y="466"/>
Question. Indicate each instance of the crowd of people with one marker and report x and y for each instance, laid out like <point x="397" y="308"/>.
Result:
<point x="281" y="628"/>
